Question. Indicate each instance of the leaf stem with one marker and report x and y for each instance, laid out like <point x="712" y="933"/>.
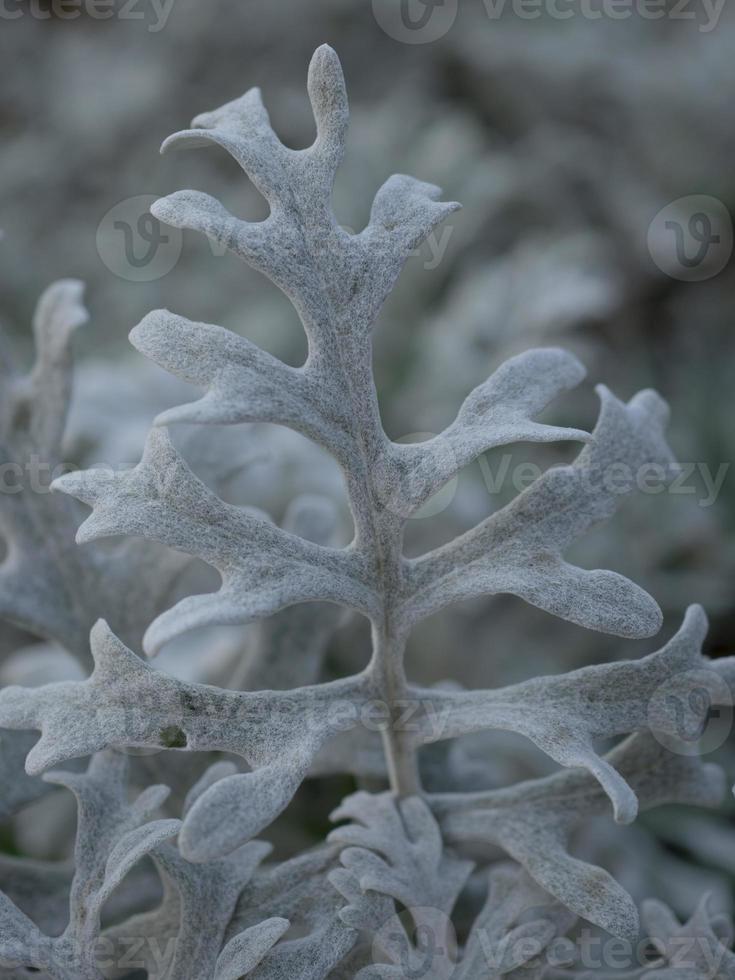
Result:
<point x="400" y="752"/>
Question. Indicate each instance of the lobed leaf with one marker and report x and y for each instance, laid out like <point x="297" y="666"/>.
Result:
<point x="263" y="568"/>
<point x="533" y="822"/>
<point x="565" y="715"/>
<point x="517" y="923"/>
<point x="125" y="702"/>
<point x="498" y="412"/>
<point x="519" y="549"/>
<point x="112" y="836"/>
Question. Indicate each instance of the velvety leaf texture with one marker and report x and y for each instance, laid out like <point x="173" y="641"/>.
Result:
<point x="48" y="585"/>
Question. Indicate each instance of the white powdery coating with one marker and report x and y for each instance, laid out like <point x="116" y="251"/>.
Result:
<point x="411" y="859"/>
<point x="707" y="938"/>
<point x="126" y="702"/>
<point x="263" y="568"/>
<point x="48" y="585"/>
<point x="197" y="909"/>
<point x="281" y="733"/>
<point x="338" y="283"/>
<point x="533" y="822"/>
<point x="394" y="851"/>
<point x="519" y="549"/>
<point x="112" y="836"/>
<point x="172" y="940"/>
<point x="564" y="715"/>
<point x="501" y="934"/>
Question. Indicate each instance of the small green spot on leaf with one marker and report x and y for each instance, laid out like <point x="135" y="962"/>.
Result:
<point x="173" y="737"/>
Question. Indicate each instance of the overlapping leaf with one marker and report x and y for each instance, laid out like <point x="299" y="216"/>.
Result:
<point x="393" y="849"/>
<point x="565" y="715"/>
<point x="112" y="836"/>
<point x="125" y="702"/>
<point x="298" y="889"/>
<point x="517" y="923"/>
<point x="47" y="585"/>
<point x="263" y="568"/>
<point x="519" y="549"/>
<point x="170" y="941"/>
<point x="533" y="821"/>
<point x="698" y="949"/>
<point x="41" y="561"/>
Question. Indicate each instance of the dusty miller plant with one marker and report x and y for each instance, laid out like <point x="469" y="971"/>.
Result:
<point x="221" y="910"/>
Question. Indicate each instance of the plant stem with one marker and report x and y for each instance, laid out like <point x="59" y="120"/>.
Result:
<point x="400" y="753"/>
<point x="379" y="534"/>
